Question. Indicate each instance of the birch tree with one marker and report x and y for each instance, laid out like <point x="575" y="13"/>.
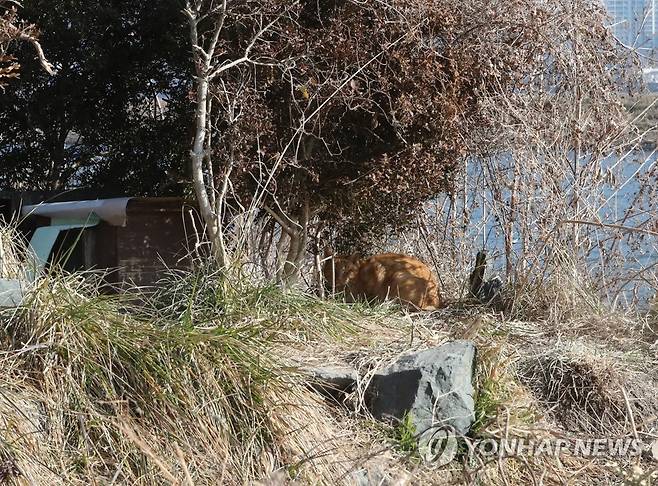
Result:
<point x="206" y="21"/>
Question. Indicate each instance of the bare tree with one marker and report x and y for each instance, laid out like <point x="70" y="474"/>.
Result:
<point x="206" y="21"/>
<point x="342" y="119"/>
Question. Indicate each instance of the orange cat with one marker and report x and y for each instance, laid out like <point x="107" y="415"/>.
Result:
<point x="383" y="277"/>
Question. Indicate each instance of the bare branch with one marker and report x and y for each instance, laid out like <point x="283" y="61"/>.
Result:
<point x="245" y="57"/>
<point x="284" y="226"/>
<point x="47" y="66"/>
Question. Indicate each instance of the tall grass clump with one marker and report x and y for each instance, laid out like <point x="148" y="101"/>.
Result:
<point x="564" y="291"/>
<point x="210" y="296"/>
<point x="98" y="389"/>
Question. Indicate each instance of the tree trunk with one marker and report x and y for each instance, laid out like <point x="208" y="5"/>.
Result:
<point x="198" y="156"/>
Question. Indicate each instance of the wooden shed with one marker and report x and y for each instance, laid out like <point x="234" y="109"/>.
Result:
<point x="134" y="239"/>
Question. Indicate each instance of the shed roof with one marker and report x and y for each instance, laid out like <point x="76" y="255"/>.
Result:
<point x="112" y="211"/>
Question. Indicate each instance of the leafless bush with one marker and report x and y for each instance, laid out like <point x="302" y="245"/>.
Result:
<point x="562" y="188"/>
<point x="350" y="123"/>
<point x="555" y="222"/>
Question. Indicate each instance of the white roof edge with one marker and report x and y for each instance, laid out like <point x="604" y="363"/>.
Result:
<point x="112" y="211"/>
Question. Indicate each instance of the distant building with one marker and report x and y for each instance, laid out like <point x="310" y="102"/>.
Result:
<point x="635" y="23"/>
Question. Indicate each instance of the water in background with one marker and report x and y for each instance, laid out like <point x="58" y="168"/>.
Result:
<point x="628" y="199"/>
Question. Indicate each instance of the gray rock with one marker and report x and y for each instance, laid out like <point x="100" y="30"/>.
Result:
<point x="333" y="381"/>
<point x="433" y="386"/>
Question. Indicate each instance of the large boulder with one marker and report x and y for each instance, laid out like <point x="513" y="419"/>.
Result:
<point x="434" y="387"/>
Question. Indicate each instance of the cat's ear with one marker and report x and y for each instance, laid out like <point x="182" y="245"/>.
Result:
<point x="354" y="257"/>
<point x="328" y="252"/>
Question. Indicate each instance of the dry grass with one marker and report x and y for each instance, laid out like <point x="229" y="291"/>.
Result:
<point x="201" y="384"/>
<point x="140" y="404"/>
<point x="95" y="393"/>
<point x="10" y="253"/>
<point x="535" y="379"/>
<point x="591" y="391"/>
